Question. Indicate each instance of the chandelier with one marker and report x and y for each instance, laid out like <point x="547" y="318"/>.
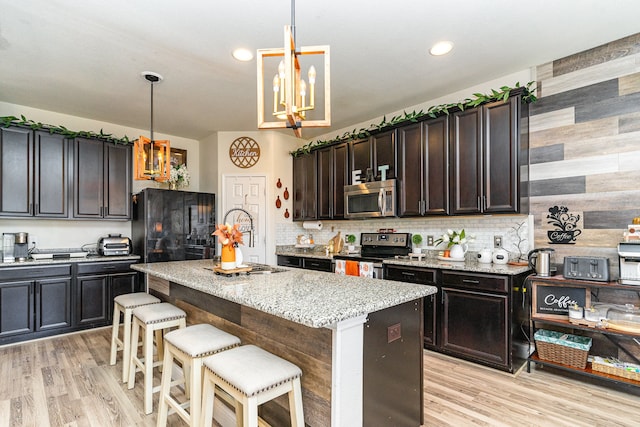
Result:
<point x="290" y="106"/>
<point x="151" y="157"/>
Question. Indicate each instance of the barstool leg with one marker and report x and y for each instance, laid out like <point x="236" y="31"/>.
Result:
<point x="295" y="404"/>
<point x="126" y="343"/>
<point x="148" y="372"/>
<point x="208" y="398"/>
<point x="135" y="336"/>
<point x="165" y="389"/>
<point x="114" y="336"/>
<point x="250" y="412"/>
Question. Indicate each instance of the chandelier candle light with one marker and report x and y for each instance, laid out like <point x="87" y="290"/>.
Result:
<point x="290" y="91"/>
<point x="151" y="157"/>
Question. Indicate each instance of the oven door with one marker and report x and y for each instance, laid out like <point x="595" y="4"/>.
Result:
<point x="367" y="267"/>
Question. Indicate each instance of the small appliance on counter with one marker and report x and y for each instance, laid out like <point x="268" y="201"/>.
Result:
<point x="21" y="248"/>
<point x="8" y="244"/>
<point x="586" y="268"/>
<point x="629" y="256"/>
<point x="541" y="260"/>
<point x="113" y="245"/>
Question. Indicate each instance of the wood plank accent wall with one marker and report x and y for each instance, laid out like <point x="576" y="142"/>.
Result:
<point x="585" y="146"/>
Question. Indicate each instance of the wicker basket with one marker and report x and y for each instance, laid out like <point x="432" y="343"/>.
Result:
<point x="602" y="366"/>
<point x="566" y="349"/>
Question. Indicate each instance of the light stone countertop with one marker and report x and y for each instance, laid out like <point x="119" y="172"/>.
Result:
<point x="311" y="298"/>
<point x="95" y="258"/>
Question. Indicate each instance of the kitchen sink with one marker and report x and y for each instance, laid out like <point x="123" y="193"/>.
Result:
<point x="264" y="269"/>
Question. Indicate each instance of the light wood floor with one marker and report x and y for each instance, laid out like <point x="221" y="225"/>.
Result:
<point x="67" y="381"/>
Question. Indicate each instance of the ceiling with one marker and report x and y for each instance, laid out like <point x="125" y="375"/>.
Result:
<point x="84" y="58"/>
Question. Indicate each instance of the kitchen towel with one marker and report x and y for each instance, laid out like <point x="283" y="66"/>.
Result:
<point x="341" y="267"/>
<point x="352" y="268"/>
<point x="366" y="269"/>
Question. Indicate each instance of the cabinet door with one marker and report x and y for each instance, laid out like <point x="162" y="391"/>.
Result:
<point x="340" y="178"/>
<point x="117" y="181"/>
<point x="124" y="283"/>
<point x="16" y="172"/>
<point x="466" y="161"/>
<point x="53" y="304"/>
<point x="501" y="177"/>
<point x="92" y="300"/>
<point x="383" y="148"/>
<point x="325" y="183"/>
<point x="88" y="178"/>
<point x="474" y="325"/>
<point x="430" y="321"/>
<point x="436" y="166"/>
<point x="51" y="175"/>
<point x="16" y="308"/>
<point x="360" y="158"/>
<point x="304" y="187"/>
<point x="410" y="170"/>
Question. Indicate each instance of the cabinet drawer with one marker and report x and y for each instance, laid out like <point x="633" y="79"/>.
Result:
<point x="104" y="267"/>
<point x="410" y="274"/>
<point x="289" y="261"/>
<point x="486" y="282"/>
<point x="13" y="273"/>
<point x="317" y="264"/>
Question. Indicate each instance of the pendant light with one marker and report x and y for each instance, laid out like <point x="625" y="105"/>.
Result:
<point x="151" y="157"/>
<point x="291" y="108"/>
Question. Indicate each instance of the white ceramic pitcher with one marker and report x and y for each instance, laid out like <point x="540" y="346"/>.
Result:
<point x="458" y="251"/>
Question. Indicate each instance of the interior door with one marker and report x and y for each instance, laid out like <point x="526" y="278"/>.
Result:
<point x="247" y="192"/>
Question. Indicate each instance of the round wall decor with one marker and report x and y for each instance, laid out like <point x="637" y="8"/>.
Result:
<point x="244" y="152"/>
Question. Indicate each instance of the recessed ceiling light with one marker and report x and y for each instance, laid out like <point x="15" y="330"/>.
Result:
<point x="242" y="54"/>
<point x="441" y="48"/>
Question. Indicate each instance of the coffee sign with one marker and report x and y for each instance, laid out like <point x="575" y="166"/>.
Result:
<point x="555" y="300"/>
<point x="244" y="152"/>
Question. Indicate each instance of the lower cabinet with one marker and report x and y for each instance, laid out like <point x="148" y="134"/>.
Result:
<point x="307" y="263"/>
<point x="39" y="301"/>
<point x="473" y="316"/>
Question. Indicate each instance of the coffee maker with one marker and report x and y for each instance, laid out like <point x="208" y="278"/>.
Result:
<point x="629" y="256"/>
<point x="21" y="247"/>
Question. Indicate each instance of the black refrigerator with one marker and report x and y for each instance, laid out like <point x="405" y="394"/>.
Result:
<point x="172" y="225"/>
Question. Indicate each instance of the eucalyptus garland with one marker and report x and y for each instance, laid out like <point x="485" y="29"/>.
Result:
<point x="7" y="121"/>
<point x="433" y="112"/>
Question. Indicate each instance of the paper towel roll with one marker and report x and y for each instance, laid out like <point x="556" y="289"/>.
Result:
<point x="312" y="225"/>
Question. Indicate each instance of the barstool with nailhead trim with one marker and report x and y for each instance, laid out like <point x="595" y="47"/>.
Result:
<point x="252" y="376"/>
<point x="153" y="319"/>
<point x="125" y="304"/>
<point x="190" y="346"/>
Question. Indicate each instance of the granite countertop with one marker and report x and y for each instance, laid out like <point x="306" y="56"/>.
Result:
<point x="93" y="258"/>
<point x="428" y="261"/>
<point x="311" y="298"/>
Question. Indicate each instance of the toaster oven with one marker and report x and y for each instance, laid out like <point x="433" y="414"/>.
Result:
<point x="629" y="255"/>
<point x="113" y="245"/>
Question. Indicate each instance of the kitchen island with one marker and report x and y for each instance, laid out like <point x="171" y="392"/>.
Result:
<point x="358" y="341"/>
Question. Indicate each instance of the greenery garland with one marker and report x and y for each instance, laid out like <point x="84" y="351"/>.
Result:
<point x="7" y="121"/>
<point x="433" y="112"/>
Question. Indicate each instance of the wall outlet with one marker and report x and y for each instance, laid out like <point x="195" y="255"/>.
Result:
<point x="33" y="242"/>
<point x="497" y="241"/>
<point x="429" y="240"/>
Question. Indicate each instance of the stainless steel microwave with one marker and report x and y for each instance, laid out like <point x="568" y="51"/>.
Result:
<point x="375" y="199"/>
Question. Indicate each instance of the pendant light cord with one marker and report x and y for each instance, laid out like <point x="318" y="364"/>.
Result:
<point x="151" y="130"/>
<point x="293" y="20"/>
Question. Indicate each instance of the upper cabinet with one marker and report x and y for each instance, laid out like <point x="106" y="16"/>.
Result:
<point x="423" y="168"/>
<point x="102" y="179"/>
<point x="333" y="170"/>
<point x="369" y="154"/>
<point x="35" y="173"/>
<point x="484" y="149"/>
<point x="305" y="187"/>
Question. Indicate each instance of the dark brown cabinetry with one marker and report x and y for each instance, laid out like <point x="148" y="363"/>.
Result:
<point x="383" y="153"/>
<point x="423" y="168"/>
<point x="305" y="187"/>
<point x="485" y="153"/>
<point x="102" y="179"/>
<point x="305" y="262"/>
<point x="422" y="276"/>
<point x="16" y="151"/>
<point x="359" y="157"/>
<point x="332" y="175"/>
<point x="34" y="301"/>
<point x="51" y="177"/>
<point x="44" y="300"/>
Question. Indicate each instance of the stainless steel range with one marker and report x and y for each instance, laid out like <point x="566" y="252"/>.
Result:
<point x="375" y="247"/>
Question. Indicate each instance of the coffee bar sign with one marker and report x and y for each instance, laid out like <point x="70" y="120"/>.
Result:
<point x="244" y="152"/>
<point x="554" y="301"/>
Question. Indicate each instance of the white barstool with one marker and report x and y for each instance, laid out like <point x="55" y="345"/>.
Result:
<point x="252" y="376"/>
<point x="125" y="304"/>
<point x="190" y="346"/>
<point x="153" y="319"/>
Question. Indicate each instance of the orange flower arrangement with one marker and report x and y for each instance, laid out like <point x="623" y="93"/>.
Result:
<point x="229" y="235"/>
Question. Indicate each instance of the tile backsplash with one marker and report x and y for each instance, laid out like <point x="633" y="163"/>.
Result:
<point x="514" y="229"/>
